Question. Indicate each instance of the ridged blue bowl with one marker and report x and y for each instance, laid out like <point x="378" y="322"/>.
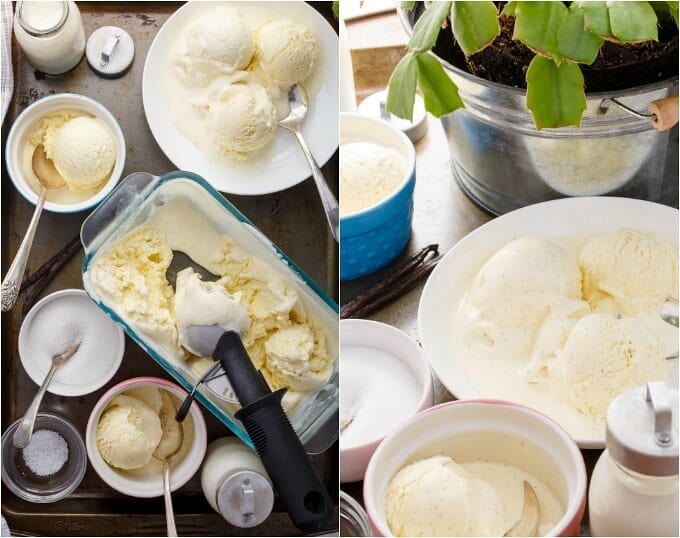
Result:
<point x="373" y="237"/>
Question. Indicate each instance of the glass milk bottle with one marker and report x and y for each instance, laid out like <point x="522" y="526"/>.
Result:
<point x="236" y="484"/>
<point x="51" y="35"/>
<point x="634" y="487"/>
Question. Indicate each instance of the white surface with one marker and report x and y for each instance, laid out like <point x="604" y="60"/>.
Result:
<point x="149" y="485"/>
<point x="450" y="279"/>
<point x="30" y="118"/>
<point x="52" y="325"/>
<point x="518" y="434"/>
<point x="277" y="168"/>
<point x="361" y="332"/>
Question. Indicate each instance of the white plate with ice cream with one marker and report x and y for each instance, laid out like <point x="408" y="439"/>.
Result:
<point x="552" y="363"/>
<point x="212" y="102"/>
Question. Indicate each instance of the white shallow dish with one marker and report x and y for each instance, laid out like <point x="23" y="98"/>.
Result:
<point x="30" y="118"/>
<point x="367" y="333"/>
<point x="557" y="218"/>
<point x="188" y="460"/>
<point x="95" y="362"/>
<point x="278" y="167"/>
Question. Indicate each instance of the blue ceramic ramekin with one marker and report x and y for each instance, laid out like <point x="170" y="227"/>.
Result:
<point x="375" y="236"/>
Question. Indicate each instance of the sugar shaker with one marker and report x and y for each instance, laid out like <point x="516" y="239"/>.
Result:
<point x="634" y="487"/>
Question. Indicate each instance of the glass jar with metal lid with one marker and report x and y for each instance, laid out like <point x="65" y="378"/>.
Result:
<point x="51" y="34"/>
<point x="634" y="486"/>
<point x="353" y="518"/>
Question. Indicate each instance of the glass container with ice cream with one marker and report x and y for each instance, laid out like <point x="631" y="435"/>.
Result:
<point x="289" y="324"/>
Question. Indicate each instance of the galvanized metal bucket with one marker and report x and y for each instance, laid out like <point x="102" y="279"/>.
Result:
<point x="503" y="162"/>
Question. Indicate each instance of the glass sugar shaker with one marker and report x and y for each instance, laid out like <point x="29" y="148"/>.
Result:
<point x="236" y="484"/>
<point x="51" y="34"/>
<point x="634" y="487"/>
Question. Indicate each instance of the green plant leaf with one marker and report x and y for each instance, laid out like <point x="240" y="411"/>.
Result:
<point x="596" y="18"/>
<point x="555" y="93"/>
<point x="633" y="22"/>
<point x="537" y="25"/>
<point x="401" y="89"/>
<point x="439" y="92"/>
<point x="509" y="9"/>
<point x="408" y="6"/>
<point x="475" y="25"/>
<point x="673" y="10"/>
<point x="336" y="8"/>
<point x="574" y="41"/>
<point x="427" y="28"/>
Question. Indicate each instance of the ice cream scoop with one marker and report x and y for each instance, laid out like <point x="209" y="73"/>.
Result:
<point x="287" y="52"/>
<point x="302" y="493"/>
<point x="49" y="178"/>
<point x="84" y="152"/>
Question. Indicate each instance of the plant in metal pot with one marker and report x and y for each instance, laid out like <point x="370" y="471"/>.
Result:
<point x="552" y="91"/>
<point x="562" y="37"/>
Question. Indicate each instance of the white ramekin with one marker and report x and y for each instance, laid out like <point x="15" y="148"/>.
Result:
<point x="362" y="332"/>
<point x="426" y="433"/>
<point x="28" y="120"/>
<point x="150" y="485"/>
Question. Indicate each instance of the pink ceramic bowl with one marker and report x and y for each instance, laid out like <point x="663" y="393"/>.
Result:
<point x="362" y="332"/>
<point x="150" y="483"/>
<point x="435" y="431"/>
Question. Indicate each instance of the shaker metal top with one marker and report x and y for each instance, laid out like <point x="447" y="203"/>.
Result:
<point x="110" y="51"/>
<point x="642" y="429"/>
<point x="245" y="498"/>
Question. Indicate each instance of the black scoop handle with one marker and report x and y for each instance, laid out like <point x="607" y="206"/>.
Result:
<point x="302" y="493"/>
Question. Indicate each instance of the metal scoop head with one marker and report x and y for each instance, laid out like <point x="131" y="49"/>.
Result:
<point x="181" y="261"/>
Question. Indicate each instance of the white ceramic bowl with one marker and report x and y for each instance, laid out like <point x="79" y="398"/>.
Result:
<point x="30" y="118"/>
<point x="188" y="460"/>
<point x="435" y="431"/>
<point x="362" y="332"/>
<point x="52" y="325"/>
<point x="449" y="281"/>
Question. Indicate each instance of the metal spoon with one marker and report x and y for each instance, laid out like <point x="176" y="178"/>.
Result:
<point x="49" y="179"/>
<point x="23" y="433"/>
<point x="168" y="447"/>
<point x="297" y="98"/>
<point x="531" y="515"/>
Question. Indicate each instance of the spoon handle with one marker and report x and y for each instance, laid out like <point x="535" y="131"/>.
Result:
<point x="15" y="275"/>
<point x="23" y="433"/>
<point x="328" y="200"/>
<point x="169" y="512"/>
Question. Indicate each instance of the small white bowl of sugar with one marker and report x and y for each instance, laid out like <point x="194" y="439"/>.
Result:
<point x="384" y="379"/>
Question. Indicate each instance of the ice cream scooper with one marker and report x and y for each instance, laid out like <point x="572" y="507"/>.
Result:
<point x="302" y="493"/>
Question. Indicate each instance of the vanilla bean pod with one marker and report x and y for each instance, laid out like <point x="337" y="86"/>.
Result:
<point x="41" y="278"/>
<point x="393" y="285"/>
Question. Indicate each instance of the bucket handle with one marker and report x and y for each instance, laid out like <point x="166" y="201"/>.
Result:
<point x="663" y="112"/>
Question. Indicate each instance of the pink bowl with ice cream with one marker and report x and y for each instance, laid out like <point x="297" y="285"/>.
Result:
<point x="443" y="428"/>
<point x="148" y="481"/>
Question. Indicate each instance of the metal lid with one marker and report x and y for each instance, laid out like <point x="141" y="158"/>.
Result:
<point x="374" y="106"/>
<point x="110" y="51"/>
<point x="642" y="429"/>
<point x="245" y="498"/>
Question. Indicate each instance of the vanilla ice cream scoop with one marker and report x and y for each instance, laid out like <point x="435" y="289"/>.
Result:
<point x="83" y="152"/>
<point x="223" y="38"/>
<point x="604" y="356"/>
<point x="199" y="303"/>
<point x="294" y="359"/>
<point x="516" y="290"/>
<point x="244" y="121"/>
<point x="438" y="497"/>
<point x="369" y="173"/>
<point x="287" y="52"/>
<point x="632" y="270"/>
<point x="128" y="432"/>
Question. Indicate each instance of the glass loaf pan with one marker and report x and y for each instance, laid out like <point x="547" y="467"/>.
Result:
<point x="131" y="204"/>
